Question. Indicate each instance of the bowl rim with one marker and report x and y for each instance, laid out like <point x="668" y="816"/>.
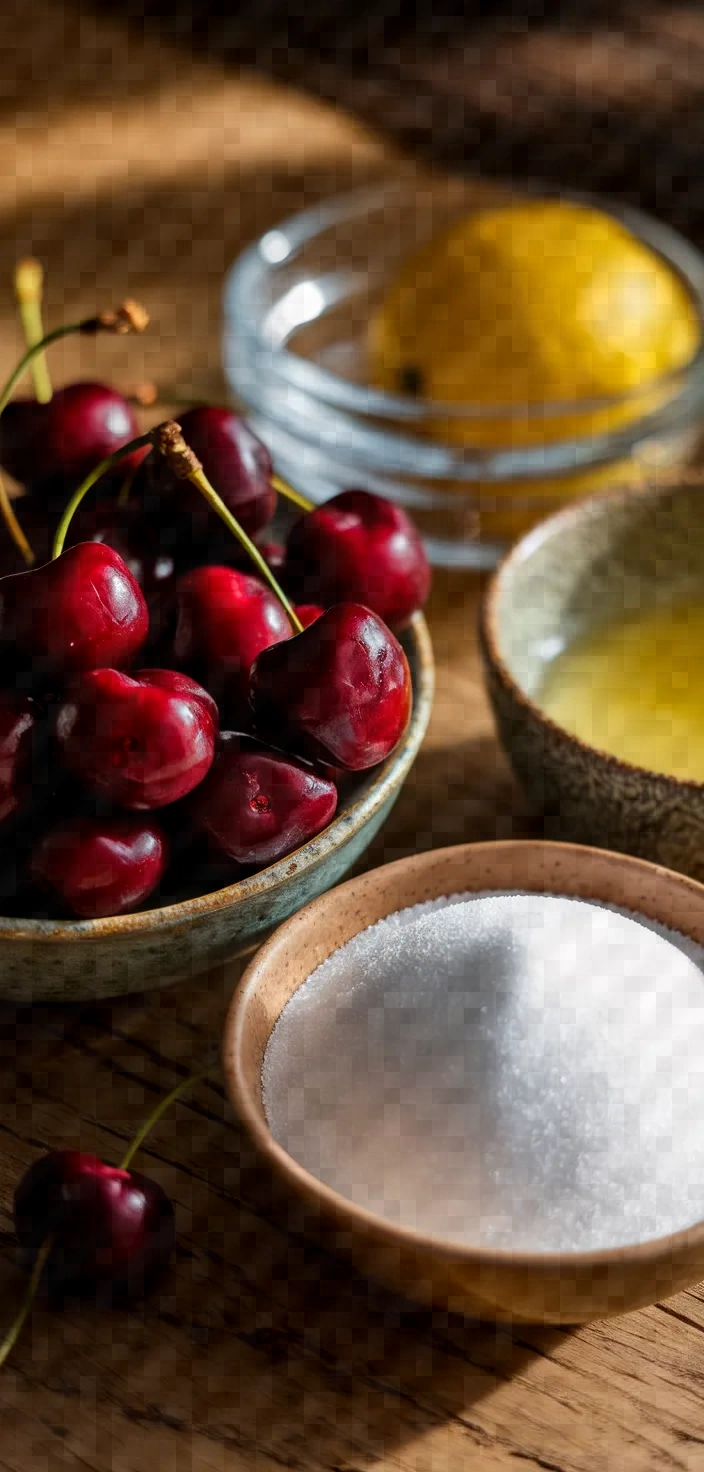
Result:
<point x="299" y="228"/>
<point x="385" y="780"/>
<point x="587" y="508"/>
<point x="332" y="1202"/>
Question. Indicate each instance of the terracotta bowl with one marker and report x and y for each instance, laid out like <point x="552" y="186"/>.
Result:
<point x="602" y="557"/>
<point x="529" y="1287"/>
<point x="84" y="959"/>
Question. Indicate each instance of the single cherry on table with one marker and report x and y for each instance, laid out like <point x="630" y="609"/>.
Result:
<point x="113" y="1230"/>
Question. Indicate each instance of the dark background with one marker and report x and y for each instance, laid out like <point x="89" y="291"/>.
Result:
<point x="602" y="94"/>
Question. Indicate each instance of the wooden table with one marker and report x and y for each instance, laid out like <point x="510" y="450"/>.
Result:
<point x="131" y="170"/>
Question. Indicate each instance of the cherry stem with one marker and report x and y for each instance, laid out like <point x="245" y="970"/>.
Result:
<point x="40" y="1262"/>
<point x="283" y="488"/>
<point x="155" y="1116"/>
<point x="130" y="317"/>
<point x="30" y="1294"/>
<point x="185" y="464"/>
<point x="13" y="526"/>
<point x="28" y="283"/>
<point x="89" y="482"/>
<point x="126" y="487"/>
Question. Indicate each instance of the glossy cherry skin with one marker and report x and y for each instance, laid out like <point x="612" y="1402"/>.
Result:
<point x="224" y="619"/>
<point x="360" y="547"/>
<point x="18" y="719"/>
<point x="257" y="805"/>
<point x="113" y="1229"/>
<point x="82" y="610"/>
<point x="101" y="866"/>
<point x="341" y="690"/>
<point x="235" y="462"/>
<point x="80" y="426"/>
<point x="307" y="613"/>
<point x="141" y="740"/>
<point x="127" y="531"/>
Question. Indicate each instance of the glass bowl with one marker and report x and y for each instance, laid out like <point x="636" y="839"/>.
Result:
<point x="297" y="308"/>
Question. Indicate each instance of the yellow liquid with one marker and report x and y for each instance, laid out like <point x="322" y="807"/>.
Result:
<point x="635" y="689"/>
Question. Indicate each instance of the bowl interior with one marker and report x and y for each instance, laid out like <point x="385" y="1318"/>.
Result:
<point x="285" y="962"/>
<point x="606" y="558"/>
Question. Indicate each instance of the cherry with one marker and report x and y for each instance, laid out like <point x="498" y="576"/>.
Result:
<point x="342" y="688"/>
<point x="80" y="426"/>
<point x="234" y="460"/>
<point x="224" y="619"/>
<point x="100" y="866"/>
<point x="82" y="610"/>
<point x="124" y="528"/>
<point x="361" y="547"/>
<point x="18" y="715"/>
<point x="141" y="740"/>
<point x="257" y="805"/>
<point x="113" y="1229"/>
<point x="307" y="613"/>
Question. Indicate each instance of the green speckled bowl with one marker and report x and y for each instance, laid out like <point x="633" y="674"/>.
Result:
<point x="603" y="557"/>
<point x="87" y="959"/>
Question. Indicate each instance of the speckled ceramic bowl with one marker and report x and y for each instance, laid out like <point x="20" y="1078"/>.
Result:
<point x="602" y="557"/>
<point x="533" y="1287"/>
<point x="84" y="959"/>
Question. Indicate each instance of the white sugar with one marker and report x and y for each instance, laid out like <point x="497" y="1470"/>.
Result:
<point x="517" y="1071"/>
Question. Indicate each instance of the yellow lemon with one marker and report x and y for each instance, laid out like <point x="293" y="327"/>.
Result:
<point x="540" y="301"/>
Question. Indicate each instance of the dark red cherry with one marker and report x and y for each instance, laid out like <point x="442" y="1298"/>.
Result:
<point x="18" y="716"/>
<point x="141" y="740"/>
<point x="224" y="619"/>
<point x="113" y="1229"/>
<point x="341" y="689"/>
<point x="80" y="426"/>
<point x="257" y="805"/>
<point x="308" y="613"/>
<point x="359" y="547"/>
<point x="237" y="465"/>
<point x="82" y="610"/>
<point x="124" y="528"/>
<point x="100" y="866"/>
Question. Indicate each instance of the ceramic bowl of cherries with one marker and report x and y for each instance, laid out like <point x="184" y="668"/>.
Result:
<point x="201" y="728"/>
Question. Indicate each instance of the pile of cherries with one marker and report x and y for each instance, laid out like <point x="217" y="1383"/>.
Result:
<point x="165" y="726"/>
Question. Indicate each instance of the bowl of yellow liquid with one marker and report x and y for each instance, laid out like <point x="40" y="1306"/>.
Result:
<point x="592" y="636"/>
<point x="479" y="352"/>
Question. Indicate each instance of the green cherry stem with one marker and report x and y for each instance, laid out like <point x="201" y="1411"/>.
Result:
<point x="130" y="317"/>
<point x="185" y="464"/>
<point x="155" y="1116"/>
<point x="283" y="488"/>
<point x="87" y="484"/>
<point x="30" y="1293"/>
<point x="28" y="283"/>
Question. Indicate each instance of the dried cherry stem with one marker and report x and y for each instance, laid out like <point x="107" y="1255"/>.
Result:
<point x="44" y="1253"/>
<point x="87" y="484"/>
<point x="28" y="283"/>
<point x="283" y="488"/>
<point x="130" y="317"/>
<point x="169" y="440"/>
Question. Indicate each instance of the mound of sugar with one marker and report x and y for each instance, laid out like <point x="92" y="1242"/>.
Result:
<point x="518" y="1071"/>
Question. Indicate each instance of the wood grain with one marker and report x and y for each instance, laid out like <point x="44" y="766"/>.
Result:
<point x="129" y="171"/>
